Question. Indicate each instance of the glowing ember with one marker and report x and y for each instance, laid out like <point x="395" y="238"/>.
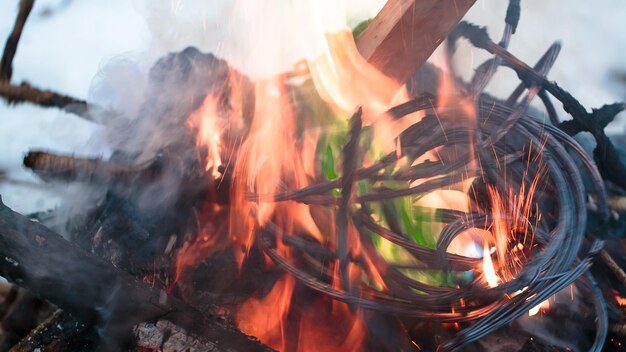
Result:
<point x="620" y="300"/>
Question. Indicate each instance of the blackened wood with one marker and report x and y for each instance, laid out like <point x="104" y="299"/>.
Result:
<point x="41" y="261"/>
<point x="20" y="312"/>
<point x="60" y="332"/>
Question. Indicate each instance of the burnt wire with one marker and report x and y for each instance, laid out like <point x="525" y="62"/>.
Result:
<point x="532" y="148"/>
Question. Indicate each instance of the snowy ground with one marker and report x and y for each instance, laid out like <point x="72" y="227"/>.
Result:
<point x="64" y="51"/>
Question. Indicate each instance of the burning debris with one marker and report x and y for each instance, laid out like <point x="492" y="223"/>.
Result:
<point x="349" y="204"/>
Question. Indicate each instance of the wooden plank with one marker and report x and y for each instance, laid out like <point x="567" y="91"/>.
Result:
<point x="405" y="33"/>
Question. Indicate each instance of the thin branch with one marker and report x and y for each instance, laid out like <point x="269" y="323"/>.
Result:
<point x="6" y="64"/>
<point x="605" y="153"/>
<point x="25" y="93"/>
<point x="92" y="170"/>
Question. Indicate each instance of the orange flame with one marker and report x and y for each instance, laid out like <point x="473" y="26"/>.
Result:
<point x="205" y="120"/>
<point x="269" y="160"/>
<point x="343" y="77"/>
<point x="265" y="317"/>
<point x="275" y="155"/>
<point x="518" y="208"/>
<point x="621" y="301"/>
<point x="488" y="270"/>
<point x="347" y="332"/>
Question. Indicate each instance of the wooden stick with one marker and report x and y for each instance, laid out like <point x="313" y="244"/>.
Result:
<point x="25" y="93"/>
<point x="41" y="261"/>
<point x="6" y="63"/>
<point x="50" y="166"/>
<point x="406" y="32"/>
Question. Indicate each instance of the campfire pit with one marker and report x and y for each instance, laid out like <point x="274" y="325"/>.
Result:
<point x="365" y="200"/>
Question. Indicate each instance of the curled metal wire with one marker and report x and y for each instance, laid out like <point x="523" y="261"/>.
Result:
<point x="557" y="262"/>
<point x="506" y="150"/>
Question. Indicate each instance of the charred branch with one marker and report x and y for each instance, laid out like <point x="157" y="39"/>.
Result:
<point x="51" y="166"/>
<point x="41" y="261"/>
<point x="6" y="63"/>
<point x="594" y="122"/>
<point x="25" y="93"/>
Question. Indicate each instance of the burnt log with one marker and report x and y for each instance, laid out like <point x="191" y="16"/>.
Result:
<point x="60" y="332"/>
<point x="20" y="312"/>
<point x="95" y="292"/>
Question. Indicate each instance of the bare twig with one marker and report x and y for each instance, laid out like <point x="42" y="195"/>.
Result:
<point x="6" y="64"/>
<point x="605" y="153"/>
<point x="615" y="268"/>
<point x="25" y="93"/>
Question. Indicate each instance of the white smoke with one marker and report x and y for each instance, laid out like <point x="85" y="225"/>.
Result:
<point x="155" y="93"/>
<point x="258" y="37"/>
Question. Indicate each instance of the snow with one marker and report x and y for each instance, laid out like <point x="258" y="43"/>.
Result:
<point x="64" y="51"/>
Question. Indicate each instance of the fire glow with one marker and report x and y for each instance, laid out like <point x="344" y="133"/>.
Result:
<point x="293" y="189"/>
<point x="271" y="158"/>
<point x="304" y="187"/>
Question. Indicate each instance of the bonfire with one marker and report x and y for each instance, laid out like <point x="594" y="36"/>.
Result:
<point x="363" y="200"/>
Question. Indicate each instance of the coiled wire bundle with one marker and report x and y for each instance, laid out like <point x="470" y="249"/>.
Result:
<point x="505" y="152"/>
